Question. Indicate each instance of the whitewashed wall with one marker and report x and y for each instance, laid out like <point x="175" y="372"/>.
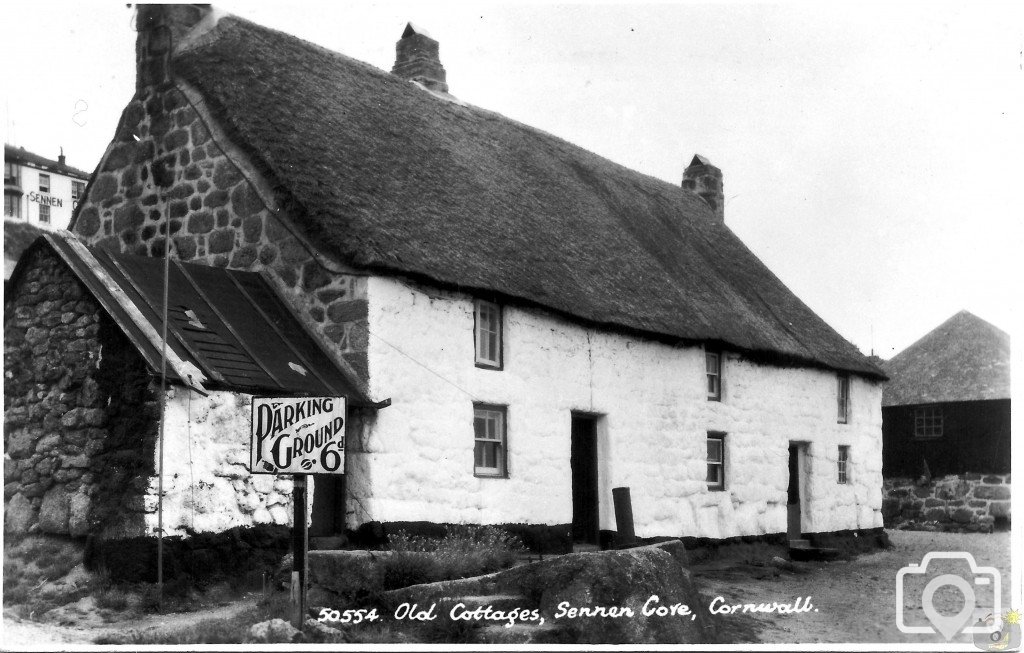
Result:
<point x="418" y="459"/>
<point x="207" y="485"/>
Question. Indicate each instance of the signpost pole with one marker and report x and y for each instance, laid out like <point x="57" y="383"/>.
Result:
<point x="299" y="544"/>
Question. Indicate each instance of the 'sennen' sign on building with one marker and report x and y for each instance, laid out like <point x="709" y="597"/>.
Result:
<point x="298" y="435"/>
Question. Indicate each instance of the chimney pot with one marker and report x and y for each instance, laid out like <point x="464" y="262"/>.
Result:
<point x="417" y="59"/>
<point x="706" y="180"/>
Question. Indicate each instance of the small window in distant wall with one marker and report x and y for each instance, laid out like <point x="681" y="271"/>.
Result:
<point x="927" y="422"/>
<point x="12" y="205"/>
<point x="713" y="366"/>
<point x="488" y="334"/>
<point x="489" y="451"/>
<point x="843" y="398"/>
<point x="77" y="190"/>
<point x="844" y="463"/>
<point x="44" y="183"/>
<point x="716" y="461"/>
<point x="44" y="213"/>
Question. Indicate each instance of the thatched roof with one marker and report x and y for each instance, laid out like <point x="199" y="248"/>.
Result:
<point x="394" y="179"/>
<point x="963" y="359"/>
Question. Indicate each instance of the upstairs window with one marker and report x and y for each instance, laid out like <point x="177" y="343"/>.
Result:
<point x="77" y="190"/>
<point x="927" y="422"/>
<point x="489" y="450"/>
<point x="44" y="183"/>
<point x="716" y="461"/>
<point x="10" y="174"/>
<point x="488" y="334"/>
<point x="843" y="398"/>
<point x="44" y="213"/>
<point x="713" y="367"/>
<point x="844" y="461"/>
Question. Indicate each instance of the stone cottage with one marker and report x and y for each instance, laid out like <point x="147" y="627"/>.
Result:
<point x="525" y="324"/>
<point x="946" y="426"/>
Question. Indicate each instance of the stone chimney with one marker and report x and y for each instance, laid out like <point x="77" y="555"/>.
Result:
<point x="60" y="157"/>
<point x="160" y="29"/>
<point x="706" y="180"/>
<point x="417" y="59"/>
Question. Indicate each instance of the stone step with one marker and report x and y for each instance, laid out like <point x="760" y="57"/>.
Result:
<point x="526" y="634"/>
<point x="799" y="544"/>
<point x="580" y="547"/>
<point x="805" y="553"/>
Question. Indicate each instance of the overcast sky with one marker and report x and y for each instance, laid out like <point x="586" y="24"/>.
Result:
<point x="871" y="153"/>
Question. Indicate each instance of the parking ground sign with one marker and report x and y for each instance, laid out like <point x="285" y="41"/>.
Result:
<point x="297" y="435"/>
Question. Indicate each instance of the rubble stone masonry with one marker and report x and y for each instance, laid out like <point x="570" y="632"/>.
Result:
<point x="165" y="171"/>
<point x="80" y="412"/>
<point x="972" y="502"/>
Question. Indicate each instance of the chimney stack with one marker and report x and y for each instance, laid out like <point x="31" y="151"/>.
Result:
<point x="160" y="29"/>
<point x="706" y="180"/>
<point x="60" y="157"/>
<point x="417" y="59"/>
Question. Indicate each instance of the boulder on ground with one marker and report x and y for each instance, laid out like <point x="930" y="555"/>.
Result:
<point x="275" y="631"/>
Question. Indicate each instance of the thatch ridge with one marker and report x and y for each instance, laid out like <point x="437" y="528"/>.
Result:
<point x="394" y="179"/>
<point x="963" y="359"/>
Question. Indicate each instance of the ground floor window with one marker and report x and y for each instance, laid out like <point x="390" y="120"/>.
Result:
<point x="44" y="213"/>
<point x="12" y="205"/>
<point x="928" y="422"/>
<point x="716" y="461"/>
<point x="844" y="462"/>
<point x="489" y="452"/>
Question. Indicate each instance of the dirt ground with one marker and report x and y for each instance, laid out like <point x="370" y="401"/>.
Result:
<point x="856" y="600"/>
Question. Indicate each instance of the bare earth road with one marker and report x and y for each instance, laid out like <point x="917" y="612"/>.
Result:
<point x="856" y="600"/>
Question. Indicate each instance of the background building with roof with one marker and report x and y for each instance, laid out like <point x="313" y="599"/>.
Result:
<point x="40" y="191"/>
<point x="523" y="324"/>
<point x="946" y="421"/>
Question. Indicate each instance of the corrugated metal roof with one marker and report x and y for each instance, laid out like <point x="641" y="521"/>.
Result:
<point x="226" y="328"/>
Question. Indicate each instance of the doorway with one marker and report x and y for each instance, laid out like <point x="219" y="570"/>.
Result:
<point x="328" y="514"/>
<point x="794" y="519"/>
<point x="583" y="463"/>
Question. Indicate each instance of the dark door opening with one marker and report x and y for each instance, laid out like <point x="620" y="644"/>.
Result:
<point x="328" y="514"/>
<point x="793" y="529"/>
<point x="583" y="462"/>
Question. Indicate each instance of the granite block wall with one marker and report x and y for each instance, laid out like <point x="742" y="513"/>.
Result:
<point x="970" y="501"/>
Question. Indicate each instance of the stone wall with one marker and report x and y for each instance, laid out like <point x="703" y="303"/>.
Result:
<point x="415" y="462"/>
<point x="207" y="485"/>
<point x="971" y="501"/>
<point x="169" y="164"/>
<point x="79" y="410"/>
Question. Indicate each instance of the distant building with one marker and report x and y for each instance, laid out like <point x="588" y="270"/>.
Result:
<point x="946" y="429"/>
<point x="947" y="402"/>
<point x="40" y="191"/>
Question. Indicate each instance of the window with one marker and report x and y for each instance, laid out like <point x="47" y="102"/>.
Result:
<point x="44" y="213"/>
<point x="489" y="448"/>
<point x="44" y="183"/>
<point x="12" y="205"/>
<point x="927" y="422"/>
<point x="488" y="334"/>
<point x="716" y="461"/>
<point x="844" y="461"/>
<point x="713" y="365"/>
<point x="843" y="398"/>
<point x="10" y="173"/>
<point x="77" y="190"/>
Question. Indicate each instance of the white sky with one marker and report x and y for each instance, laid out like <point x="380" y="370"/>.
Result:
<point x="871" y="153"/>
